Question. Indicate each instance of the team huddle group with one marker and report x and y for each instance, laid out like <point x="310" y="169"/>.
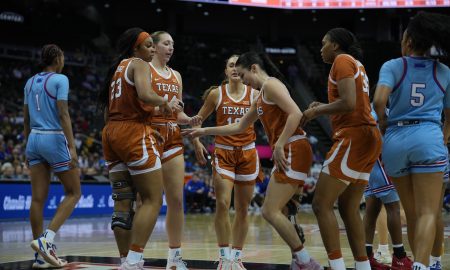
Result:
<point x="142" y="144"/>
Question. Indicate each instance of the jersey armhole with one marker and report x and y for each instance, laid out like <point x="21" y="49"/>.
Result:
<point x="219" y="99"/>
<point x="405" y="69"/>
<point x="126" y="72"/>
<point x="435" y="77"/>
<point x="31" y="85"/>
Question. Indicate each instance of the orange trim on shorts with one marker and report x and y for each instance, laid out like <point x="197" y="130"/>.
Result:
<point x="237" y="182"/>
<point x="334" y="255"/>
<point x="181" y="152"/>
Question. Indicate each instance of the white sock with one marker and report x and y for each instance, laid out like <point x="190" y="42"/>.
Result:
<point x="337" y="264"/>
<point x="174" y="252"/>
<point x="49" y="235"/>
<point x="224" y="252"/>
<point x="236" y="254"/>
<point x="134" y="257"/>
<point x="364" y="265"/>
<point x="302" y="256"/>
<point x="419" y="266"/>
<point x="122" y="259"/>
<point x="433" y="259"/>
<point x="383" y="248"/>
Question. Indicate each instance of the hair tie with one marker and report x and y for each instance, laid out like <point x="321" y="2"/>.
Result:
<point x="142" y="36"/>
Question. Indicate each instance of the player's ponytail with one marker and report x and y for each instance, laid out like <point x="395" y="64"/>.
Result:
<point x="124" y="48"/>
<point x="347" y="42"/>
<point x="427" y="29"/>
<point x="247" y="59"/>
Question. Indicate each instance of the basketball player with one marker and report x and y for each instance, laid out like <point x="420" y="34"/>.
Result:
<point x="50" y="148"/>
<point x="357" y="146"/>
<point x="235" y="163"/>
<point x="129" y="148"/>
<point x="381" y="191"/>
<point x="292" y="154"/>
<point x="418" y="89"/>
<point x="167" y="83"/>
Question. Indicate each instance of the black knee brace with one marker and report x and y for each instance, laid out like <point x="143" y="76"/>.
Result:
<point x="293" y="208"/>
<point x="123" y="219"/>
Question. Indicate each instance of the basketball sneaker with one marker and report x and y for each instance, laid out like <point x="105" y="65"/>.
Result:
<point x="383" y="257"/>
<point x="224" y="264"/>
<point x="436" y="266"/>
<point x="176" y="263"/>
<point x="375" y="265"/>
<point x="237" y="265"/>
<point x="48" y="251"/>
<point x="311" y="265"/>
<point x="404" y="263"/>
<point x="127" y="266"/>
<point x="39" y="263"/>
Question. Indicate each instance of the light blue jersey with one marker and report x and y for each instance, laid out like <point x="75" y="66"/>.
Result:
<point x="420" y="88"/>
<point x="46" y="142"/>
<point x="413" y="142"/>
<point x="41" y="93"/>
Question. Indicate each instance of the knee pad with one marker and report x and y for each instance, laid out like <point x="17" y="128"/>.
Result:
<point x="122" y="220"/>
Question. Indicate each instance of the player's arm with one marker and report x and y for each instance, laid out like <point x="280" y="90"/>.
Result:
<point x="205" y="111"/>
<point x="26" y="122"/>
<point x="380" y="100"/>
<point x="446" y="128"/>
<point x="248" y="119"/>
<point x="140" y="72"/>
<point x="26" y="113"/>
<point x="346" y="101"/>
<point x="384" y="89"/>
<point x="182" y="117"/>
<point x="62" y="97"/>
<point x="277" y="92"/>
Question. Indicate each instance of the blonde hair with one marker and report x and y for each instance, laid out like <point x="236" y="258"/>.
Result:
<point x="207" y="91"/>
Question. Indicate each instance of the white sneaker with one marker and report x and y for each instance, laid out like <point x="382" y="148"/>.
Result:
<point x="127" y="266"/>
<point x="237" y="265"/>
<point x="382" y="257"/>
<point x="176" y="263"/>
<point x="39" y="263"/>
<point x="224" y="264"/>
<point x="48" y="251"/>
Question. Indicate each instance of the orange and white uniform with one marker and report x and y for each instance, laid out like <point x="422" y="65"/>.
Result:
<point x="235" y="156"/>
<point x="126" y="139"/>
<point x="357" y="140"/>
<point x="297" y="149"/>
<point x="167" y="87"/>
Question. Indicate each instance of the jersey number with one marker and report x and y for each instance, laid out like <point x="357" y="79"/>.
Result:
<point x="230" y="120"/>
<point x="37" y="102"/>
<point x="365" y="83"/>
<point x="116" y="88"/>
<point x="417" y="98"/>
